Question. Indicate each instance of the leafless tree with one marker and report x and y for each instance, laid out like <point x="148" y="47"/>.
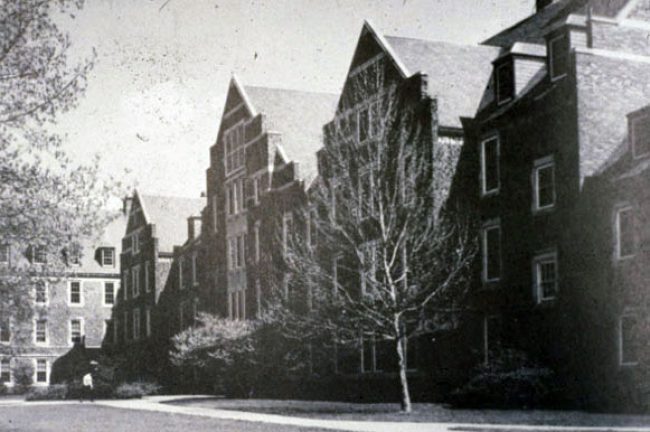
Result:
<point x="383" y="253"/>
<point x="48" y="204"/>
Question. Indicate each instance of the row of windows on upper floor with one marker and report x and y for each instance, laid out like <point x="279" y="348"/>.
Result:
<point x="38" y="254"/>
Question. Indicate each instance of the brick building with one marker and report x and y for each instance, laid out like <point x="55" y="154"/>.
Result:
<point x="553" y="120"/>
<point x="68" y="311"/>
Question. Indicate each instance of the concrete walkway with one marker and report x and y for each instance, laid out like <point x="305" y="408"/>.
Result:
<point x="156" y="403"/>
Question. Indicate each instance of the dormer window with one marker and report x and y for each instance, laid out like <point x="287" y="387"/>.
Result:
<point x="558" y="55"/>
<point x="640" y="135"/>
<point x="107" y="257"/>
<point x="505" y="82"/>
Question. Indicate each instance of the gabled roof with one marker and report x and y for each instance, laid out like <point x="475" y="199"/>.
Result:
<point x="111" y="237"/>
<point x="170" y="214"/>
<point x="457" y="74"/>
<point x="298" y="116"/>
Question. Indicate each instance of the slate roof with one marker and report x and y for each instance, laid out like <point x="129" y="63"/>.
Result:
<point x="299" y="117"/>
<point x="170" y="214"/>
<point x="458" y="74"/>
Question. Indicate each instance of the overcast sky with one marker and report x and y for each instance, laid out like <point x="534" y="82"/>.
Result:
<point x="156" y="94"/>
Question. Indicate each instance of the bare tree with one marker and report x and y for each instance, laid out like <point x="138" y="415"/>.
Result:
<point x="384" y="255"/>
<point x="48" y="204"/>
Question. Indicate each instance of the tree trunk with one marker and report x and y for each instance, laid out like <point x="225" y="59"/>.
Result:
<point x="401" y="362"/>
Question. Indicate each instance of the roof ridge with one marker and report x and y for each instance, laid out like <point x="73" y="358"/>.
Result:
<point x="286" y="89"/>
<point x="433" y="41"/>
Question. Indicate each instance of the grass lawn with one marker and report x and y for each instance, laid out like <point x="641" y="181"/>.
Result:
<point x="94" y="418"/>
<point x="421" y="413"/>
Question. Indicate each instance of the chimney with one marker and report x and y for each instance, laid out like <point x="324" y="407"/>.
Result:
<point x="541" y="4"/>
<point x="126" y="204"/>
<point x="193" y="226"/>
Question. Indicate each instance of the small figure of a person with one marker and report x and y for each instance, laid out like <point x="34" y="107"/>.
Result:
<point x="87" y="387"/>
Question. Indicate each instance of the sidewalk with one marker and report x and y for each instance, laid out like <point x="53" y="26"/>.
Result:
<point x="156" y="403"/>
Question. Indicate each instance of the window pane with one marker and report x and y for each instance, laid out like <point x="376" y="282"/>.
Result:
<point x="75" y="331"/>
<point x="625" y="231"/>
<point x="109" y="293"/>
<point x="41" y="292"/>
<point x="75" y="292"/>
<point x="490" y="165"/>
<point x="547" y="279"/>
<point x="559" y="56"/>
<point x="545" y="186"/>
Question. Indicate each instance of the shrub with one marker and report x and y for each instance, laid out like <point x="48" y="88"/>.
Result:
<point x="52" y="392"/>
<point x="135" y="390"/>
<point x="511" y="380"/>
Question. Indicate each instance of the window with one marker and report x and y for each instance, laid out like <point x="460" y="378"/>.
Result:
<point x="40" y="295"/>
<point x="126" y="320"/>
<point x="232" y="253"/>
<point x="240" y="251"/>
<point x="628" y="339"/>
<point x="5" y="370"/>
<point x="624" y="231"/>
<point x="232" y="198"/>
<point x="335" y="273"/>
<point x="75" y="293"/>
<point x="195" y="278"/>
<point x="234" y="148"/>
<point x="544" y="184"/>
<point x="147" y="272"/>
<point x="364" y="124"/>
<point x="215" y="220"/>
<point x="40" y="255"/>
<point x="109" y="293"/>
<point x="368" y="266"/>
<point x="4" y="253"/>
<point x="505" y="82"/>
<point x="5" y="331"/>
<point x="180" y="273"/>
<point x="256" y="190"/>
<point x="76" y="331"/>
<point x="108" y="257"/>
<point x="135" y="242"/>
<point x="40" y="331"/>
<point x="256" y="233"/>
<point x="135" y="281"/>
<point x="125" y="284"/>
<point x="491" y="241"/>
<point x="240" y="193"/>
<point x="287" y="231"/>
<point x="258" y="297"/>
<point x="147" y="322"/>
<point x="558" y="49"/>
<point x="545" y="276"/>
<point x="490" y="166"/>
<point x="41" y="371"/>
<point x="640" y="135"/>
<point x="136" y="324"/>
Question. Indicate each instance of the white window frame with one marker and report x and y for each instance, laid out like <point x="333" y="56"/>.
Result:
<point x="135" y="280"/>
<point x="550" y="56"/>
<point x="136" y="324"/>
<point x="46" y="342"/>
<point x="81" y="293"/>
<point x="103" y="255"/>
<point x="487" y="226"/>
<point x="617" y="231"/>
<point x="46" y="286"/>
<point x="105" y="291"/>
<point x="494" y="191"/>
<point x="538" y="260"/>
<point x="621" y="361"/>
<point x="538" y="165"/>
<point x="633" y="121"/>
<point x="47" y="372"/>
<point x="81" y="330"/>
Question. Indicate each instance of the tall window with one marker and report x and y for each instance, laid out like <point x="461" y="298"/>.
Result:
<point x="364" y="124"/>
<point x="240" y="251"/>
<point x="256" y="233"/>
<point x="544" y="184"/>
<point x="368" y="266"/>
<point x="558" y="48"/>
<point x="40" y="331"/>
<point x="41" y="292"/>
<point x="40" y="254"/>
<point x="147" y="276"/>
<point x="624" y="231"/>
<point x="5" y="370"/>
<point x="135" y="281"/>
<point x="505" y="87"/>
<point x="640" y="135"/>
<point x="287" y="231"/>
<point x="136" y="323"/>
<point x="147" y="321"/>
<point x="628" y="339"/>
<point x="215" y="220"/>
<point x="75" y="293"/>
<point x="135" y="242"/>
<point x="231" y="189"/>
<point x="490" y="166"/>
<point x="195" y="278"/>
<point x="335" y="273"/>
<point x="256" y="190"/>
<point x="491" y="239"/>
<point x="258" y="297"/>
<point x="545" y="276"/>
<point x="109" y="293"/>
<point x="41" y="371"/>
<point x="76" y="330"/>
<point x="180" y="273"/>
<point x="125" y="284"/>
<point x="5" y="330"/>
<point x="4" y="253"/>
<point x="234" y="148"/>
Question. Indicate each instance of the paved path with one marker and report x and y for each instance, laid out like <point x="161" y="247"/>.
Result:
<point x="155" y="403"/>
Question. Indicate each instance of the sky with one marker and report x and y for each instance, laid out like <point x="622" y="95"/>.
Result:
<point x="155" y="96"/>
